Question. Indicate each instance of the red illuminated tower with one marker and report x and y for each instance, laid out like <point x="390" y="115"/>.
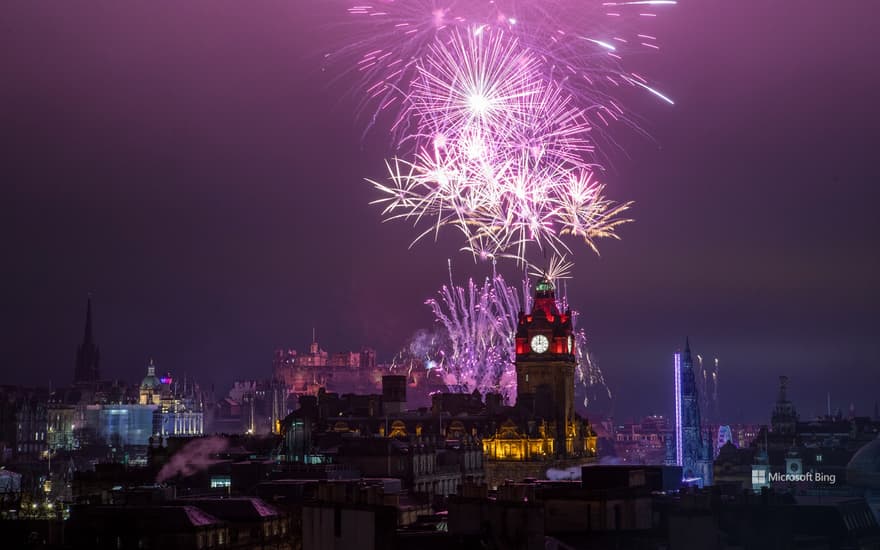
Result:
<point x="545" y="363"/>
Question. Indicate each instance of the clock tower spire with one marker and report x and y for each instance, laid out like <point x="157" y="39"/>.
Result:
<point x="545" y="363"/>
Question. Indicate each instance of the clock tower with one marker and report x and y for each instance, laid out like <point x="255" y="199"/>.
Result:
<point x="545" y="365"/>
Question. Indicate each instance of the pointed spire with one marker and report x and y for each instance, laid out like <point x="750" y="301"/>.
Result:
<point x="87" y="353"/>
<point x="686" y="360"/>
<point x="87" y="336"/>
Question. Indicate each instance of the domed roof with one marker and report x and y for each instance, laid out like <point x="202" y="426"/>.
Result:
<point x="151" y="381"/>
<point x="863" y="469"/>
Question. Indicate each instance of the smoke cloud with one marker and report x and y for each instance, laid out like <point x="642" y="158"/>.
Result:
<point x="573" y="473"/>
<point x="193" y="457"/>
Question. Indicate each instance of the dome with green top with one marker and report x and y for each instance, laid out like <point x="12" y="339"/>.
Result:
<point x="151" y="381"/>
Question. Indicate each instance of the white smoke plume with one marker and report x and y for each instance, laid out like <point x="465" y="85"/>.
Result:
<point x="573" y="473"/>
<point x="193" y="457"/>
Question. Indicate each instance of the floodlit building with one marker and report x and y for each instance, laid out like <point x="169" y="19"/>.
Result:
<point x="543" y="428"/>
<point x="121" y="425"/>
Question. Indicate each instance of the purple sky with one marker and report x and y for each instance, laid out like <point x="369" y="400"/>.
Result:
<point x="190" y="165"/>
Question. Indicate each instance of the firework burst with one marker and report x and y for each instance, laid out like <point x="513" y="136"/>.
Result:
<point x="496" y="105"/>
<point x="480" y="321"/>
<point x="579" y="42"/>
<point x="478" y="349"/>
<point x="501" y="208"/>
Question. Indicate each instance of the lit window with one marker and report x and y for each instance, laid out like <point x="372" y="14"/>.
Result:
<point x="220" y="482"/>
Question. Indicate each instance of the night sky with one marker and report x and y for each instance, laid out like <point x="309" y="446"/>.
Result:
<point x="191" y="166"/>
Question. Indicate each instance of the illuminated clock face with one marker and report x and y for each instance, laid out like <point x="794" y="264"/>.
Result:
<point x="540" y="343"/>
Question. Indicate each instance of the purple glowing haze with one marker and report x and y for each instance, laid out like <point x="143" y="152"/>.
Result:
<point x="191" y="166"/>
<point x="494" y="106"/>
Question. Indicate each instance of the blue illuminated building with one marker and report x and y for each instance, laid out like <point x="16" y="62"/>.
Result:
<point x="692" y="452"/>
<point x="125" y="425"/>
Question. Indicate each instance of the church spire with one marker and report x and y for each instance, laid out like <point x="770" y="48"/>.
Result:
<point x="87" y="354"/>
<point x="87" y="337"/>
<point x="686" y="358"/>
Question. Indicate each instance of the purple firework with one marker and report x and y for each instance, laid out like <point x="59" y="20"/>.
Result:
<point x="479" y="351"/>
<point x="495" y="106"/>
